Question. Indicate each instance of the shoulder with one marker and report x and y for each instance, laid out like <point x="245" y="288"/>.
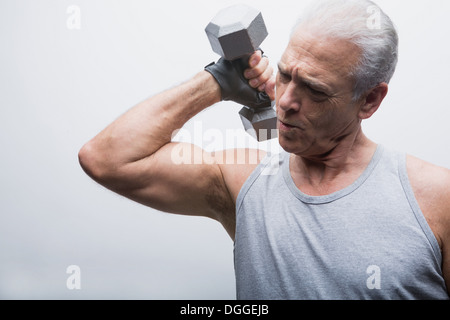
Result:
<point x="237" y="165"/>
<point x="431" y="186"/>
<point x="428" y="178"/>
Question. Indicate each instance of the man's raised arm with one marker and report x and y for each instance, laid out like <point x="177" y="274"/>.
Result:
<point x="133" y="155"/>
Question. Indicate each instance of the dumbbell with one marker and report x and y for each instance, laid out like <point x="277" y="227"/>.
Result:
<point x="235" y="33"/>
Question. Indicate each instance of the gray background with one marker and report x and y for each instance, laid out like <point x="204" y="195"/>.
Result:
<point x="59" y="87"/>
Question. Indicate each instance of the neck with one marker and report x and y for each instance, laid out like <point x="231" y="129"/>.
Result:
<point x="336" y="168"/>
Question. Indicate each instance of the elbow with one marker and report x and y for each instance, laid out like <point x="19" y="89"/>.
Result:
<point x="96" y="162"/>
<point x="90" y="159"/>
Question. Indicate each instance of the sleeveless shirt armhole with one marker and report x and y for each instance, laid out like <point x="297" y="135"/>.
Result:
<point x="407" y="188"/>
<point x="251" y="179"/>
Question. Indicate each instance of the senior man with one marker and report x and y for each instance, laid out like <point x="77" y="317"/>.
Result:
<point x="338" y="217"/>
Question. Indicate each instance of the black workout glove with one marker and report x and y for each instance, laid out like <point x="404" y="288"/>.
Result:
<point x="234" y="86"/>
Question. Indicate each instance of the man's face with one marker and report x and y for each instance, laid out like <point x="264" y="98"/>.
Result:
<point x="314" y="94"/>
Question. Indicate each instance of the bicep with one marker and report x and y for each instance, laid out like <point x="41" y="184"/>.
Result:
<point x="179" y="178"/>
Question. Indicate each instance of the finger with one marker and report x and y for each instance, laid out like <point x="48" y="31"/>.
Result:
<point x="257" y="70"/>
<point x="255" y="58"/>
<point x="270" y="88"/>
<point x="261" y="79"/>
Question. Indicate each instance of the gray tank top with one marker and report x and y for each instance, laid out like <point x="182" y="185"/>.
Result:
<point x="367" y="241"/>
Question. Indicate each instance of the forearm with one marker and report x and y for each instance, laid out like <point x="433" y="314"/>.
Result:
<point x="148" y="126"/>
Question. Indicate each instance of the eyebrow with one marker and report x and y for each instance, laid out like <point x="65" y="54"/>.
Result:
<point x="307" y="81"/>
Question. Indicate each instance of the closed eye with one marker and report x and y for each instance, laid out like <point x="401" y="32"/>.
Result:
<point x="316" y="95"/>
<point x="284" y="77"/>
<point x="316" y="92"/>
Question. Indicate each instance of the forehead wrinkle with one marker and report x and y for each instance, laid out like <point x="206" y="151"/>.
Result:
<point x="302" y="75"/>
<point x="322" y="59"/>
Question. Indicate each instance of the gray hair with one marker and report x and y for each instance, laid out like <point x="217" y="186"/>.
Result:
<point x="363" y="23"/>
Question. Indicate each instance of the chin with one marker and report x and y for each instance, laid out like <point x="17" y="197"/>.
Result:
<point x="288" y="145"/>
<point x="294" y="143"/>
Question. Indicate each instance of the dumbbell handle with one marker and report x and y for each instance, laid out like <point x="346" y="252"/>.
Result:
<point x="244" y="64"/>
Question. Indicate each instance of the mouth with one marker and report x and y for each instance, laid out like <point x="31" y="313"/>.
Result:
<point x="283" y="126"/>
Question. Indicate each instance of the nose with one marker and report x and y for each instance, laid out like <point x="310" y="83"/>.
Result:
<point x="288" y="99"/>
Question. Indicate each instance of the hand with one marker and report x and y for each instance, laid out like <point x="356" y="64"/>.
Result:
<point x="260" y="74"/>
<point x="235" y="86"/>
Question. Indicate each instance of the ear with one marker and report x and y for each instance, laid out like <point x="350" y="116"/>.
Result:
<point x="372" y="100"/>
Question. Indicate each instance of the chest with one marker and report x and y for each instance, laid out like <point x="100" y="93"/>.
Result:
<point x="344" y="249"/>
